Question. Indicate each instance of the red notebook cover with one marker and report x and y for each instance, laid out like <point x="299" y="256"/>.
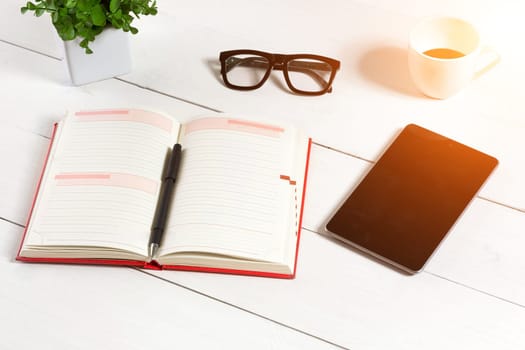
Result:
<point x="153" y="265"/>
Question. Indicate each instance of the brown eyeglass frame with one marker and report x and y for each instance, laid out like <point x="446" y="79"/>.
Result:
<point x="281" y="62"/>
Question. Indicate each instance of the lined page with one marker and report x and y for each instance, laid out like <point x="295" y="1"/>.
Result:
<point x="101" y="188"/>
<point x="233" y="192"/>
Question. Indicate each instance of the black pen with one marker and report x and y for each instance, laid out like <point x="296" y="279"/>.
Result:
<point x="166" y="191"/>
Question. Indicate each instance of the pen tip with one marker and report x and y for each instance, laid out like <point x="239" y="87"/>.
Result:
<point x="153" y="250"/>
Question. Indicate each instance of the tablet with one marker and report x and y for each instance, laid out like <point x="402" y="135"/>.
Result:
<point x="409" y="200"/>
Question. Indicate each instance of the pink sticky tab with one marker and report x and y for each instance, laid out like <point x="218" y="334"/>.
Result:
<point x="107" y="179"/>
<point x="234" y="125"/>
<point x="137" y="116"/>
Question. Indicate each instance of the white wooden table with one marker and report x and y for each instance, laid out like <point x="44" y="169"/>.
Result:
<point x="471" y="295"/>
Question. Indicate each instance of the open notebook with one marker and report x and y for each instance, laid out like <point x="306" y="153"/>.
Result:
<point x="236" y="207"/>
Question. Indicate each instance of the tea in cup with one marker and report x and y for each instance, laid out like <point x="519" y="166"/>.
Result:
<point x="445" y="55"/>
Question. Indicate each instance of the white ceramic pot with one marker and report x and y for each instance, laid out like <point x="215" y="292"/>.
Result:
<point x="111" y="57"/>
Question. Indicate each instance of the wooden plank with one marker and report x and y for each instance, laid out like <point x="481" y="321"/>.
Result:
<point x="82" y="307"/>
<point x="36" y="93"/>
<point x="28" y="31"/>
<point x="22" y="154"/>
<point x="485" y="251"/>
<point x="346" y="298"/>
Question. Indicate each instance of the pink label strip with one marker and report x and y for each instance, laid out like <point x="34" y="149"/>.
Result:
<point x="107" y="179"/>
<point x="235" y="125"/>
<point x="137" y="116"/>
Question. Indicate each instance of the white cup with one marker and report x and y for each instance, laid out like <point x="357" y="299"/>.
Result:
<point x="438" y="76"/>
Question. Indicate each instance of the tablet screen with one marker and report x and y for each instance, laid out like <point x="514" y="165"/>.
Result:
<point x="411" y="197"/>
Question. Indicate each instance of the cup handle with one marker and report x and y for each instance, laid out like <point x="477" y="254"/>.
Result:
<point x="488" y="58"/>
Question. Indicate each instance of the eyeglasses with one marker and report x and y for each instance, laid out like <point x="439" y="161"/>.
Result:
<point x="304" y="73"/>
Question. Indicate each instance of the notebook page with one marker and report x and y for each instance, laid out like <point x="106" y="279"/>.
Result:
<point x="103" y="180"/>
<point x="234" y="190"/>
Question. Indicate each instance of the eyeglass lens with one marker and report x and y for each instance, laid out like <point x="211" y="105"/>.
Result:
<point x="309" y="75"/>
<point x="304" y="74"/>
<point x="246" y="70"/>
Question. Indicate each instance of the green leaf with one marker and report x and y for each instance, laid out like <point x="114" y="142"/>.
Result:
<point x="71" y="4"/>
<point x="23" y="9"/>
<point x="97" y="31"/>
<point x="68" y="32"/>
<point x="39" y="12"/>
<point x="50" y="5"/>
<point x="98" y="15"/>
<point x="31" y="6"/>
<point x="64" y="27"/>
<point x="118" y="14"/>
<point x="82" y="5"/>
<point x="84" y="44"/>
<point x="114" y="5"/>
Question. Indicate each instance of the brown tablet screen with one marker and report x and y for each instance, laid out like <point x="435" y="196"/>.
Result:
<point x="411" y="197"/>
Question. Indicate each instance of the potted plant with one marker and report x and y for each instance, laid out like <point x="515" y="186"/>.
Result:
<point x="80" y="22"/>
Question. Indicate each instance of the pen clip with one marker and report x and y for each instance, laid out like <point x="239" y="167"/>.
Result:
<point x="174" y="163"/>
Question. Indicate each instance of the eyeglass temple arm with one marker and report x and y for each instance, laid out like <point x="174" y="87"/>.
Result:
<point x="296" y="66"/>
